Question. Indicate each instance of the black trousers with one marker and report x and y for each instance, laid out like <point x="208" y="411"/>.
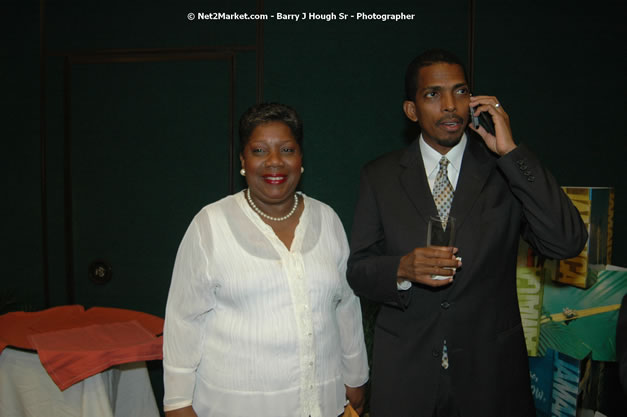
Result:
<point x="445" y="405"/>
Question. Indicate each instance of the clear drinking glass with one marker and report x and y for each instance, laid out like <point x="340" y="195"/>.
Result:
<point x="441" y="233"/>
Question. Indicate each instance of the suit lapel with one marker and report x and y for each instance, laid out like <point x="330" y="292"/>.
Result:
<point x="414" y="182"/>
<point x="477" y="165"/>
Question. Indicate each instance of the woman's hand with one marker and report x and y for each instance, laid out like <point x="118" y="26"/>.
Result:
<point x="356" y="397"/>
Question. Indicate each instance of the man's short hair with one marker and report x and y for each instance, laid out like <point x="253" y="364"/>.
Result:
<point x="429" y="57"/>
<point x="266" y="113"/>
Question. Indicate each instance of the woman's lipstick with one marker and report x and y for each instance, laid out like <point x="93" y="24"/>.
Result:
<point x="275" y="179"/>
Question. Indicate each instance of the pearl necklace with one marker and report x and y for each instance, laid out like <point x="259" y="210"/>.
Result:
<point x="276" y="219"/>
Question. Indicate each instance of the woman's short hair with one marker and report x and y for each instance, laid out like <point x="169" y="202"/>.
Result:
<point x="266" y="113"/>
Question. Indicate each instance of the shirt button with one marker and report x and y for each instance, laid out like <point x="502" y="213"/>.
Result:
<point x="445" y="305"/>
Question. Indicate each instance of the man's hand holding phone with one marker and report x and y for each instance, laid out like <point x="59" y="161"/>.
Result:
<point x="500" y="141"/>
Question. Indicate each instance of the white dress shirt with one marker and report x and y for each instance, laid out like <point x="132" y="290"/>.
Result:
<point x="431" y="160"/>
<point x="255" y="329"/>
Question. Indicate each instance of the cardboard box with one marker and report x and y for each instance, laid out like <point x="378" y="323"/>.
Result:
<point x="541" y="376"/>
<point x="558" y="383"/>
<point x="579" y="322"/>
<point x="529" y="288"/>
<point x="563" y="386"/>
<point x="596" y="206"/>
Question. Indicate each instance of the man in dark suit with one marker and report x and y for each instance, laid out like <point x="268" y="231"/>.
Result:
<point x="453" y="346"/>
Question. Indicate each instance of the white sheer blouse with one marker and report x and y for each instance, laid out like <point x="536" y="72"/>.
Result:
<point x="255" y="329"/>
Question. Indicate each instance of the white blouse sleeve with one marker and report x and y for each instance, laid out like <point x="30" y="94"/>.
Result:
<point x="348" y="313"/>
<point x="190" y="299"/>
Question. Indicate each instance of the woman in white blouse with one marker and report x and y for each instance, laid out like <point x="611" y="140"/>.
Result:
<point x="260" y="320"/>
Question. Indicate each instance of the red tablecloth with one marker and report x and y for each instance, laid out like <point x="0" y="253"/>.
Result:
<point x="74" y="344"/>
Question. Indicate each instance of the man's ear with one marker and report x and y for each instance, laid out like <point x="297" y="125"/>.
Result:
<point x="409" y="107"/>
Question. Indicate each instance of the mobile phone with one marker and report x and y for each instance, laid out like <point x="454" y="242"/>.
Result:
<point x="484" y="119"/>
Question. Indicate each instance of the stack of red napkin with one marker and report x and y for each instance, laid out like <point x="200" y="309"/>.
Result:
<point x="74" y="343"/>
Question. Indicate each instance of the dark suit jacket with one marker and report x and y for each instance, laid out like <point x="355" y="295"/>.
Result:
<point x="496" y="201"/>
<point x="621" y="344"/>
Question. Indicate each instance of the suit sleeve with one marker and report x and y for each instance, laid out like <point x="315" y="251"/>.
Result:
<point x="551" y="224"/>
<point x="371" y="273"/>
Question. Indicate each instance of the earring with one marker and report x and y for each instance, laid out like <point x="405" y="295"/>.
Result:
<point x="242" y="172"/>
<point x="302" y="170"/>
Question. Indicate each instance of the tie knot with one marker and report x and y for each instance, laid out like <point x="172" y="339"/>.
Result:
<point x="443" y="162"/>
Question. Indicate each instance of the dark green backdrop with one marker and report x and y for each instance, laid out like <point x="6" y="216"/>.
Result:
<point x="132" y="108"/>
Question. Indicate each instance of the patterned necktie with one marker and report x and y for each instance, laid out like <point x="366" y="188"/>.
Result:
<point x="443" y="197"/>
<point x="443" y="191"/>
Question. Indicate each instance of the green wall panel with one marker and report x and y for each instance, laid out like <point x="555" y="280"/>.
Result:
<point x="21" y="282"/>
<point x="149" y="149"/>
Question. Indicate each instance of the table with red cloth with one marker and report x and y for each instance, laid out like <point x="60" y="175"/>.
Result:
<point x="67" y="361"/>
